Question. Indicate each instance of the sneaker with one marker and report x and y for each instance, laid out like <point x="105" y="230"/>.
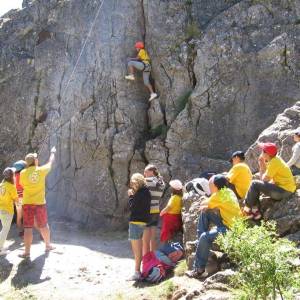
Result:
<point x="152" y="96"/>
<point x="137" y="276"/>
<point x="4" y="252"/>
<point x="129" y="77"/>
<point x="196" y="273"/>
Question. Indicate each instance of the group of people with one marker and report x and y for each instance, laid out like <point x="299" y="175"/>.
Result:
<point x="24" y="185"/>
<point x="145" y="193"/>
<point x="229" y="196"/>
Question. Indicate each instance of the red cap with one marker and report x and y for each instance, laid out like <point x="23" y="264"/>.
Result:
<point x="139" y="45"/>
<point x="269" y="148"/>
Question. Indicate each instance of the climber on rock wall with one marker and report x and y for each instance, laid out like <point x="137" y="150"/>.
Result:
<point x="294" y="162"/>
<point x="141" y="63"/>
<point x="277" y="180"/>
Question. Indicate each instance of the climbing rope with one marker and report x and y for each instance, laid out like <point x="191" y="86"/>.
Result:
<point x="45" y="141"/>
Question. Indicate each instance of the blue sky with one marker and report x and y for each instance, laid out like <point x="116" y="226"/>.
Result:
<point x="6" y="5"/>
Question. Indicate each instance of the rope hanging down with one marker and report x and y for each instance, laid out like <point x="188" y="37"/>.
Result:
<point x="70" y="78"/>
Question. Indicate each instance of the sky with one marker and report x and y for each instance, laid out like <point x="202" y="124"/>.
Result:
<point x="6" y="5"/>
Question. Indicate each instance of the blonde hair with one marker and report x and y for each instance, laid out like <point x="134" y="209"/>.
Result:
<point x="139" y="180"/>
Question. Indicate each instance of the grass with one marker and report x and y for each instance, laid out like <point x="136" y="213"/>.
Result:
<point x="164" y="290"/>
<point x="160" y="130"/>
<point x="181" y="268"/>
<point x="192" y="31"/>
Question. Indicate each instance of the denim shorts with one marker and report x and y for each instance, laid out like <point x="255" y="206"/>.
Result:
<point x="135" y="231"/>
<point x="153" y="222"/>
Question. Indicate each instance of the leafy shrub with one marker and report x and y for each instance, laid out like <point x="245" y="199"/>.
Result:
<point x="160" y="130"/>
<point x="192" y="31"/>
<point x="263" y="260"/>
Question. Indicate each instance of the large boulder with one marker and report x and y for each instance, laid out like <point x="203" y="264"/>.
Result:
<point x="223" y="70"/>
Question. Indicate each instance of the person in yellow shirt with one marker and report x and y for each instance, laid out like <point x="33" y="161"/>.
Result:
<point x="239" y="176"/>
<point x="171" y="214"/>
<point x="141" y="63"/>
<point x="8" y="195"/>
<point x="277" y="180"/>
<point x="34" y="202"/>
<point x="225" y="201"/>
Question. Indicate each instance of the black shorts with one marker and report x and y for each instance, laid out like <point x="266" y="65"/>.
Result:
<point x="154" y="218"/>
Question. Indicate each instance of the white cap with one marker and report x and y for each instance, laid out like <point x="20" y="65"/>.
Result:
<point x="176" y="184"/>
<point x="201" y="185"/>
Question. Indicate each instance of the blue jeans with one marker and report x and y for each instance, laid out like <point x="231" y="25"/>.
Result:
<point x="206" y="236"/>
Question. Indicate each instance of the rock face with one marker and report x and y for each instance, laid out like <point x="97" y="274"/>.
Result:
<point x="223" y="70"/>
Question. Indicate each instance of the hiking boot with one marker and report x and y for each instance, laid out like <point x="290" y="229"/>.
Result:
<point x="129" y="77"/>
<point x="196" y="273"/>
<point x="137" y="276"/>
<point x="152" y="96"/>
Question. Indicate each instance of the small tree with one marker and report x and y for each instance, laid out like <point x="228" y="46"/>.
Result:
<point x="263" y="260"/>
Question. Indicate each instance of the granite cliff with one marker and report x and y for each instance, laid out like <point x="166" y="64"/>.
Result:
<point x="223" y="69"/>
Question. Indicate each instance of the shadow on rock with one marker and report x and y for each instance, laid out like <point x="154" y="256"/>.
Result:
<point x="29" y="272"/>
<point x="6" y="268"/>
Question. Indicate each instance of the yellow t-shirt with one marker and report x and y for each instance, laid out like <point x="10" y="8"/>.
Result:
<point x="8" y="193"/>
<point x="240" y="176"/>
<point x="143" y="56"/>
<point x="281" y="174"/>
<point x="175" y="204"/>
<point x="33" y="181"/>
<point x="225" y="200"/>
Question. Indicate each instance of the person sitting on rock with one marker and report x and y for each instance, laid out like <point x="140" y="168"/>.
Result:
<point x="8" y="196"/>
<point x="220" y="209"/>
<point x="239" y="176"/>
<point x="141" y="63"/>
<point x="277" y="180"/>
<point x="139" y="205"/>
<point x="294" y="162"/>
<point x="171" y="214"/>
<point x="156" y="186"/>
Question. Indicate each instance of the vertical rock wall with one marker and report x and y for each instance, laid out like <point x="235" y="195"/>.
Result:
<point x="223" y="70"/>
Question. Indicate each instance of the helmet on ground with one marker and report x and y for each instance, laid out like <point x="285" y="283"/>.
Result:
<point x="139" y="45"/>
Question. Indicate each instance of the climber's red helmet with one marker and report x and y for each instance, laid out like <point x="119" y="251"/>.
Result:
<point x="268" y="148"/>
<point x="139" y="45"/>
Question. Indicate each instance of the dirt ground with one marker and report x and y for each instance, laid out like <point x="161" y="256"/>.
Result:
<point x="83" y="266"/>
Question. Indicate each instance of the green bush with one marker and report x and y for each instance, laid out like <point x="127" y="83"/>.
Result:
<point x="264" y="261"/>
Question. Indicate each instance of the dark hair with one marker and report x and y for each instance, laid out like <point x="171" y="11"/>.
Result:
<point x="176" y="192"/>
<point x="153" y="169"/>
<point x="220" y="181"/>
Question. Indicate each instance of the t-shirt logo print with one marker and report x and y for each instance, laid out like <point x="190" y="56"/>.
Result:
<point x="2" y="190"/>
<point x="34" y="177"/>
